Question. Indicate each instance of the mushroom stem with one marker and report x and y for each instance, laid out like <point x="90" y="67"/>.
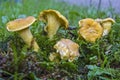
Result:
<point x="52" y="26"/>
<point x="107" y="28"/>
<point x="27" y="36"/>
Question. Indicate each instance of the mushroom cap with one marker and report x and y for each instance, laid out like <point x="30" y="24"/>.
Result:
<point x="90" y="30"/>
<point x="107" y="24"/>
<point x="20" y="24"/>
<point x="108" y="20"/>
<point x="85" y="22"/>
<point x="105" y="20"/>
<point x="63" y="21"/>
<point x="67" y="49"/>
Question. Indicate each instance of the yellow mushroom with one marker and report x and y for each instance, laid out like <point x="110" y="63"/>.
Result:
<point x="90" y="30"/>
<point x="106" y="24"/>
<point x="22" y="27"/>
<point x="54" y="20"/>
<point x="67" y="49"/>
<point x="54" y="57"/>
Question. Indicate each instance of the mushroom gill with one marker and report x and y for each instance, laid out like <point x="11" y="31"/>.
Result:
<point x="106" y="24"/>
<point x="54" y="20"/>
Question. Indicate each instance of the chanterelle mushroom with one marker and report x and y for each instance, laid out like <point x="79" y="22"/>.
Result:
<point x="106" y="24"/>
<point x="22" y="27"/>
<point x="54" y="20"/>
<point x="67" y="49"/>
<point x="90" y="30"/>
<point x="54" y="57"/>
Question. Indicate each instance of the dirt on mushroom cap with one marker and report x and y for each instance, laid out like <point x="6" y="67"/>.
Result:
<point x="20" y="24"/>
<point x="67" y="49"/>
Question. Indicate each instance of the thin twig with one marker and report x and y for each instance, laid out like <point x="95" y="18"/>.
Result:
<point x="99" y="6"/>
<point x="111" y="8"/>
<point x="90" y="3"/>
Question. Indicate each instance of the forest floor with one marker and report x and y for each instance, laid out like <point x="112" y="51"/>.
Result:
<point x="97" y="61"/>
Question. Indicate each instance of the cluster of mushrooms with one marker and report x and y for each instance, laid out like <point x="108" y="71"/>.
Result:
<point x="90" y="30"/>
